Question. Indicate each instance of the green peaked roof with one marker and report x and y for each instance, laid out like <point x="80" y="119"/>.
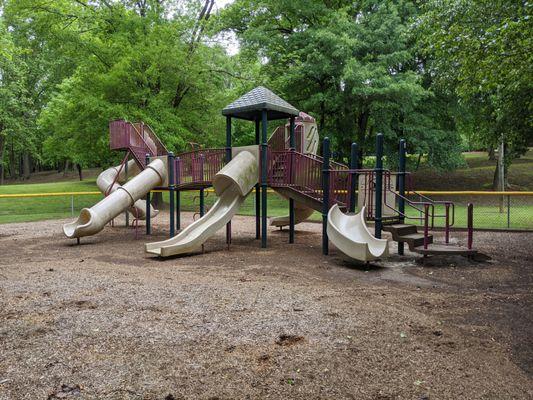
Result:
<point x="250" y="106"/>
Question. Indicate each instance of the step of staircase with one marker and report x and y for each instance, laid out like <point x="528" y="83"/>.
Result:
<point x="400" y="229"/>
<point x="443" y="249"/>
<point x="414" y="239"/>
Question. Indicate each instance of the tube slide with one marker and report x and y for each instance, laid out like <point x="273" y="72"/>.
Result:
<point x="108" y="182"/>
<point x="350" y="235"/>
<point x="232" y="184"/>
<point x="92" y="220"/>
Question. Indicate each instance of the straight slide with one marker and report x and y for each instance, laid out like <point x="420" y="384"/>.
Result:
<point x="232" y="184"/>
<point x="92" y="220"/>
<point x="350" y="235"/>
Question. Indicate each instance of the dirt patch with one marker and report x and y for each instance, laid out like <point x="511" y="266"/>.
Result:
<point x="105" y="321"/>
<point x="288" y="340"/>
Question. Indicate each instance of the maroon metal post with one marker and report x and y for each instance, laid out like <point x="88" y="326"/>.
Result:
<point x="426" y="225"/>
<point x="470" y="218"/>
<point x="447" y="228"/>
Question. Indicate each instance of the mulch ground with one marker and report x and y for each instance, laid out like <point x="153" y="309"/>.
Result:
<point x="104" y="321"/>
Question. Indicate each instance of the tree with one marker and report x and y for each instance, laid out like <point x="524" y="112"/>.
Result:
<point x="13" y="99"/>
<point x="483" y="52"/>
<point x="353" y="65"/>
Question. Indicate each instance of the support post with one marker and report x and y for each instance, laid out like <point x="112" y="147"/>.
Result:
<point x="126" y="213"/>
<point x="148" y="227"/>
<point x="202" y="191"/>
<point x="177" y="163"/>
<point x="257" y="191"/>
<point x="401" y="188"/>
<point x="171" y="187"/>
<point x="447" y="223"/>
<point x="264" y="184"/>
<point x="325" y="195"/>
<point x="228" y="159"/>
<point x="470" y="224"/>
<point x="379" y="185"/>
<point x="508" y="211"/>
<point x="353" y="176"/>
<point x="292" y="143"/>
<point x="202" y="202"/>
<point x="426" y="226"/>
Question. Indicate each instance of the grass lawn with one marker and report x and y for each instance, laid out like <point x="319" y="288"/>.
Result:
<point x="477" y="176"/>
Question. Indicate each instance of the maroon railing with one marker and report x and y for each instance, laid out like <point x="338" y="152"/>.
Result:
<point x="279" y="140"/>
<point x="198" y="167"/>
<point x="138" y="138"/>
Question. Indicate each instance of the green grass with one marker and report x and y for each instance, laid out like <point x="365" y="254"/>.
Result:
<point x="474" y="177"/>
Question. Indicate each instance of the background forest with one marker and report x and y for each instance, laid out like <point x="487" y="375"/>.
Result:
<point x="448" y="75"/>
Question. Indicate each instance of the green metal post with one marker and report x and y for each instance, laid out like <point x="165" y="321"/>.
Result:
<point x="148" y="227"/>
<point x="228" y="159"/>
<point x="325" y="195"/>
<point x="257" y="191"/>
<point x="401" y="188"/>
<point x="177" y="163"/>
<point x="379" y="185"/>
<point x="353" y="176"/>
<point x="264" y="164"/>
<point x="292" y="142"/>
<point x="171" y="186"/>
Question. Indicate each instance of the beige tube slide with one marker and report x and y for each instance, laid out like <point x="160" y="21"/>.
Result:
<point x="350" y="235"/>
<point x="108" y="182"/>
<point x="92" y="220"/>
<point x="232" y="184"/>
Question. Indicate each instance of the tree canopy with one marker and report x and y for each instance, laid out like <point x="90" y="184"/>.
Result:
<point x="436" y="73"/>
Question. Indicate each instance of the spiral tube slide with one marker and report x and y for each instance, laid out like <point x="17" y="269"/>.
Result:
<point x="350" y="235"/>
<point x="232" y="184"/>
<point x="92" y="220"/>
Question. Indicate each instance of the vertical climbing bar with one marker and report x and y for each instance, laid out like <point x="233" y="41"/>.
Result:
<point x="264" y="163"/>
<point x="379" y="185"/>
<point x="148" y="227"/>
<point x="291" y="180"/>
<point x="325" y="195"/>
<point x="228" y="159"/>
<point x="401" y="188"/>
<point x="353" y="176"/>
<point x="257" y="191"/>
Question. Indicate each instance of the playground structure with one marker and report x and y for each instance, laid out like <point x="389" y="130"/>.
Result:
<point x="287" y="163"/>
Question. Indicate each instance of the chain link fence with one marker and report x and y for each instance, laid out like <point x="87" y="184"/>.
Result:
<point x="510" y="211"/>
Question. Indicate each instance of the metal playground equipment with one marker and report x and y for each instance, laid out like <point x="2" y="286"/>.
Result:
<point x="287" y="163"/>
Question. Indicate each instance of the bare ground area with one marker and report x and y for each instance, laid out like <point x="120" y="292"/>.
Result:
<point x="104" y="321"/>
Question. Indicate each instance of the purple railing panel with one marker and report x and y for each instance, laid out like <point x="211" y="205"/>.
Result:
<point x="198" y="167"/>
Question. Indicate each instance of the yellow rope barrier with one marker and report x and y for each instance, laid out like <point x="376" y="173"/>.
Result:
<point x="424" y="192"/>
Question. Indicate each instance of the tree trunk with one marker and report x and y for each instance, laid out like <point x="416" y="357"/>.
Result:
<point x="418" y="161"/>
<point x="26" y="167"/>
<point x="157" y="200"/>
<point x="67" y="166"/>
<point x="78" y="166"/>
<point x="492" y="153"/>
<point x="12" y="162"/>
<point x="2" y="152"/>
